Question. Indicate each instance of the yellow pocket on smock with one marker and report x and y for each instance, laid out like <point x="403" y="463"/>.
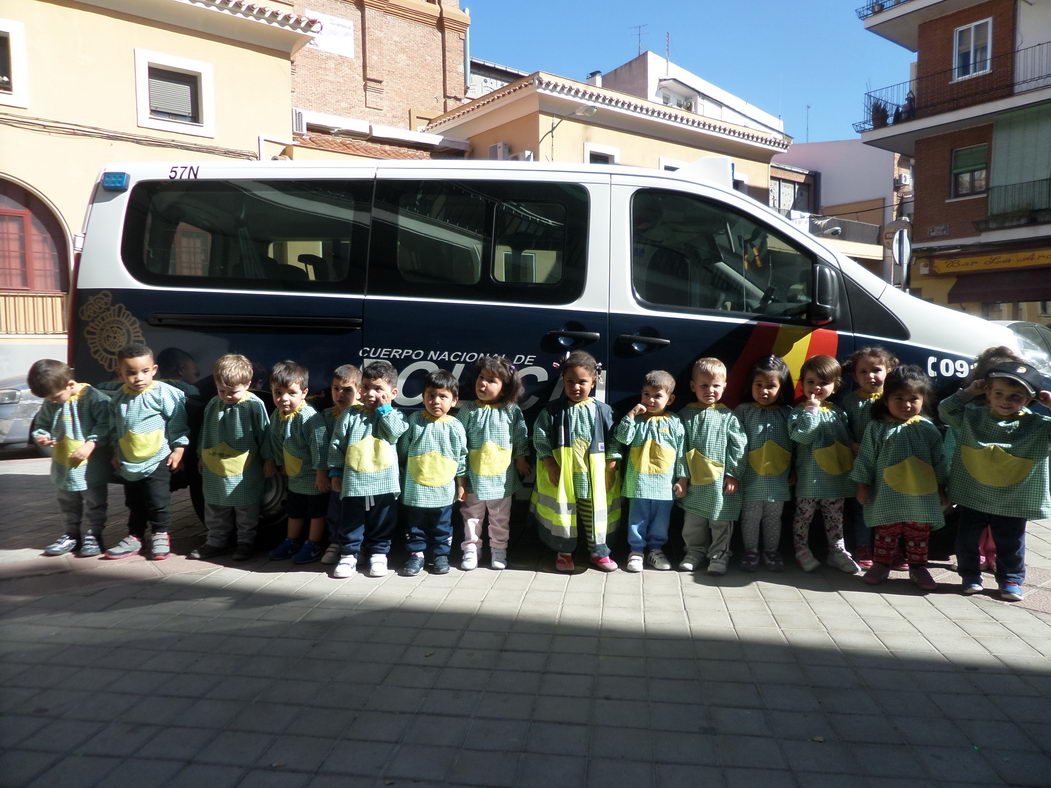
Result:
<point x="432" y="469"/>
<point x="770" y="459"/>
<point x="703" y="471"/>
<point x="489" y="459"/>
<point x="224" y="460"/>
<point x="994" y="467"/>
<point x="293" y="465"/>
<point x="652" y="457"/>
<point x="835" y="460"/>
<point x="369" y="455"/>
<point x="139" y="447"/>
<point x="62" y="449"/>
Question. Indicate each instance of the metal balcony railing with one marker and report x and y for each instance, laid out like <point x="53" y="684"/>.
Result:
<point x="834" y="227"/>
<point x="875" y="6"/>
<point x="1019" y="197"/>
<point x="931" y="94"/>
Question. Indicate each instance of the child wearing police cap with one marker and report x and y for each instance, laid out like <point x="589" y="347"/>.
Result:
<point x="999" y="472"/>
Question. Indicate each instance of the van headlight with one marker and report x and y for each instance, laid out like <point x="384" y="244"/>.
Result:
<point x="10" y="396"/>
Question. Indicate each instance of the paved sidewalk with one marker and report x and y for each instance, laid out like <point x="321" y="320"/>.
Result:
<point x="190" y="674"/>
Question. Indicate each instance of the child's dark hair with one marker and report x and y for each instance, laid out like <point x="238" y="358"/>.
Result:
<point x="825" y="367"/>
<point x="135" y="350"/>
<point x="48" y="377"/>
<point x="380" y="370"/>
<point x="349" y="373"/>
<point x="580" y="358"/>
<point x="660" y="380"/>
<point x="872" y="351"/>
<point x="287" y="373"/>
<point x="442" y="379"/>
<point x="499" y="366"/>
<point x="771" y="365"/>
<point x="909" y="378"/>
<point x="988" y="359"/>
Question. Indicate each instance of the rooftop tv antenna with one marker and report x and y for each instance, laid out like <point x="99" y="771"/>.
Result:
<point x="638" y="36"/>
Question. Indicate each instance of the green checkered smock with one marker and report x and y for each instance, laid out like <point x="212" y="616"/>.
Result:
<point x="655" y="456"/>
<point x="903" y="464"/>
<point x="147" y="425"/>
<point x="768" y="463"/>
<point x="1000" y="466"/>
<point x="296" y="443"/>
<point x="858" y="407"/>
<point x="434" y="453"/>
<point x="497" y="435"/>
<point x="84" y="417"/>
<point x="362" y="451"/>
<point x="581" y="433"/>
<point x="824" y="456"/>
<point x="231" y="451"/>
<point x="714" y="447"/>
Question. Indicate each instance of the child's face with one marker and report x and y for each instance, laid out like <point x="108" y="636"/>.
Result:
<point x="707" y="388"/>
<point x="904" y="404"/>
<point x="288" y="398"/>
<point x="656" y="399"/>
<point x="869" y="374"/>
<point x="766" y="386"/>
<point x="230" y="393"/>
<point x="438" y="402"/>
<point x="344" y="393"/>
<point x="814" y="386"/>
<point x="61" y="397"/>
<point x="488" y="386"/>
<point x="137" y="373"/>
<point x="1005" y="398"/>
<point x="577" y="383"/>
<point x="376" y="392"/>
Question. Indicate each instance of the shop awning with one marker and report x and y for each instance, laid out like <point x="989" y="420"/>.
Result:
<point x="1033" y="284"/>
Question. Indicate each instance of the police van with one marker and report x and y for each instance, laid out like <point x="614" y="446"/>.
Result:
<point x="432" y="264"/>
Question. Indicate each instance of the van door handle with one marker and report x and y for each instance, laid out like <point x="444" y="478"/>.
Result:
<point x="636" y="339"/>
<point x="580" y="336"/>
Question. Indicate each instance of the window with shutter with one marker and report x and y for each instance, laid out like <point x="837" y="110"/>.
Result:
<point x="174" y="95"/>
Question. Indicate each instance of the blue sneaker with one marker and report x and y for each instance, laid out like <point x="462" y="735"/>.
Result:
<point x="412" y="566"/>
<point x="1011" y="592"/>
<point x="285" y="550"/>
<point x="970" y="587"/>
<point x="308" y="553"/>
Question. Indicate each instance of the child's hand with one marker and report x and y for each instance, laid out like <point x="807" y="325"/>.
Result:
<point x="83" y="452"/>
<point x="856" y="447"/>
<point x="461" y="490"/>
<point x="792" y="478"/>
<point x="336" y="484"/>
<point x="679" y="488"/>
<point x="611" y="472"/>
<point x="42" y="440"/>
<point x="523" y="467"/>
<point x="553" y="471"/>
<point x="1044" y="397"/>
<point x="174" y="460"/>
<point x="863" y="494"/>
<point x="977" y="387"/>
<point x="729" y="485"/>
<point x="115" y="461"/>
<point x="269" y="469"/>
<point x="321" y="480"/>
<point x="811" y="401"/>
<point x="637" y="411"/>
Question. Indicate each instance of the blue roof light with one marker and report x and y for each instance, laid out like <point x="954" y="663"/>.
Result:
<point x="115" y="181"/>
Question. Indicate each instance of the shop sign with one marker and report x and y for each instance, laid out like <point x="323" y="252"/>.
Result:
<point x="991" y="262"/>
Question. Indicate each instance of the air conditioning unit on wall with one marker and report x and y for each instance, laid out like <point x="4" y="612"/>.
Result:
<point x="501" y="151"/>
<point x="299" y="125"/>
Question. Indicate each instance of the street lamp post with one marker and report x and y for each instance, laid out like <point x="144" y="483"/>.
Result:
<point x="583" y="111"/>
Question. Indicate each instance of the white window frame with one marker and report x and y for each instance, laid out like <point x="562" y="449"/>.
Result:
<point x="18" y="96"/>
<point x="956" y="75"/>
<point x="605" y="150"/>
<point x="144" y="60"/>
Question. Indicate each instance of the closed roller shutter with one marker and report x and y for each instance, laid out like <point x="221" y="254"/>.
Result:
<point x="173" y="95"/>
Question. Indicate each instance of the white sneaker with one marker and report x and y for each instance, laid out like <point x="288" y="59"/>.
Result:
<point x="378" y="565"/>
<point x="658" y="560"/>
<point x="347" y="566"/>
<point x="331" y="555"/>
<point x="634" y="563"/>
<point x="806" y="559"/>
<point x="469" y="560"/>
<point x="841" y="560"/>
<point x="690" y="562"/>
<point x="498" y="560"/>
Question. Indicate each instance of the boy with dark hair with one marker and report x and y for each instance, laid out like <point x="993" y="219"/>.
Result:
<point x="363" y="469"/>
<point x="74" y="421"/>
<point x="344" y="393"/>
<point x="434" y="451"/>
<point x="150" y="434"/>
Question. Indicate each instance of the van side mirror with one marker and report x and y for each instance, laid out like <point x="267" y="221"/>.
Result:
<point x="824" y="305"/>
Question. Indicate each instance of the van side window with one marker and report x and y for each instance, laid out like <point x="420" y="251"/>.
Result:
<point x="689" y="254"/>
<point x="249" y="235"/>
<point x="479" y="240"/>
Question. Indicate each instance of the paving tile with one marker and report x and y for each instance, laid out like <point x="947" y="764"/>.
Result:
<point x="214" y="776"/>
<point x="76" y="770"/>
<point x="1020" y="768"/>
<point x="557" y="739"/>
<point x="475" y="767"/>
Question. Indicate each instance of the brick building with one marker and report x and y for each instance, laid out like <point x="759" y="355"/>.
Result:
<point x="976" y="116"/>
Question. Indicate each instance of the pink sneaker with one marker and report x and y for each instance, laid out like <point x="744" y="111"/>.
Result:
<point x="863" y="556"/>
<point x="564" y="562"/>
<point x="605" y="563"/>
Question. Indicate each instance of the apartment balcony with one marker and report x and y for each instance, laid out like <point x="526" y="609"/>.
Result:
<point x="1017" y="205"/>
<point x="899" y="20"/>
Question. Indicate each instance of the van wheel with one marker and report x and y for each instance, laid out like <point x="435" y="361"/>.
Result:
<point x="272" y="520"/>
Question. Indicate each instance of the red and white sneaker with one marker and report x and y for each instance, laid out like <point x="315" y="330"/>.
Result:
<point x="863" y="556"/>
<point x="605" y="563"/>
<point x="564" y="562"/>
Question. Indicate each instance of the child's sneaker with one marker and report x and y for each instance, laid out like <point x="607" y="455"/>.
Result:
<point x="285" y="550"/>
<point x="899" y="563"/>
<point x="1011" y="592"/>
<point x="922" y="579"/>
<point x="308" y="553"/>
<point x="498" y="560"/>
<point x="412" y="566"/>
<point x="971" y="586"/>
<point x="841" y="560"/>
<point x="207" y="551"/>
<point x="691" y="562"/>
<point x="345" y="567"/>
<point x="378" y="565"/>
<point x="64" y="544"/>
<point x="658" y="560"/>
<point x="440" y="565"/>
<point x="89" y="547"/>
<point x="331" y="554"/>
<point x="125" y="548"/>
<point x="772" y="561"/>
<point x="718" y="563"/>
<point x="469" y="561"/>
<point x="863" y="556"/>
<point x="634" y="563"/>
<point x="243" y="551"/>
<point x="876" y="574"/>
<point x="160" y="546"/>
<point x="806" y="559"/>
<point x="604" y="562"/>
<point x="750" y="560"/>
<point x="564" y="562"/>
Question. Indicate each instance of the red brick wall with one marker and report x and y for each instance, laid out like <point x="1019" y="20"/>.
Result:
<point x="933" y="171"/>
